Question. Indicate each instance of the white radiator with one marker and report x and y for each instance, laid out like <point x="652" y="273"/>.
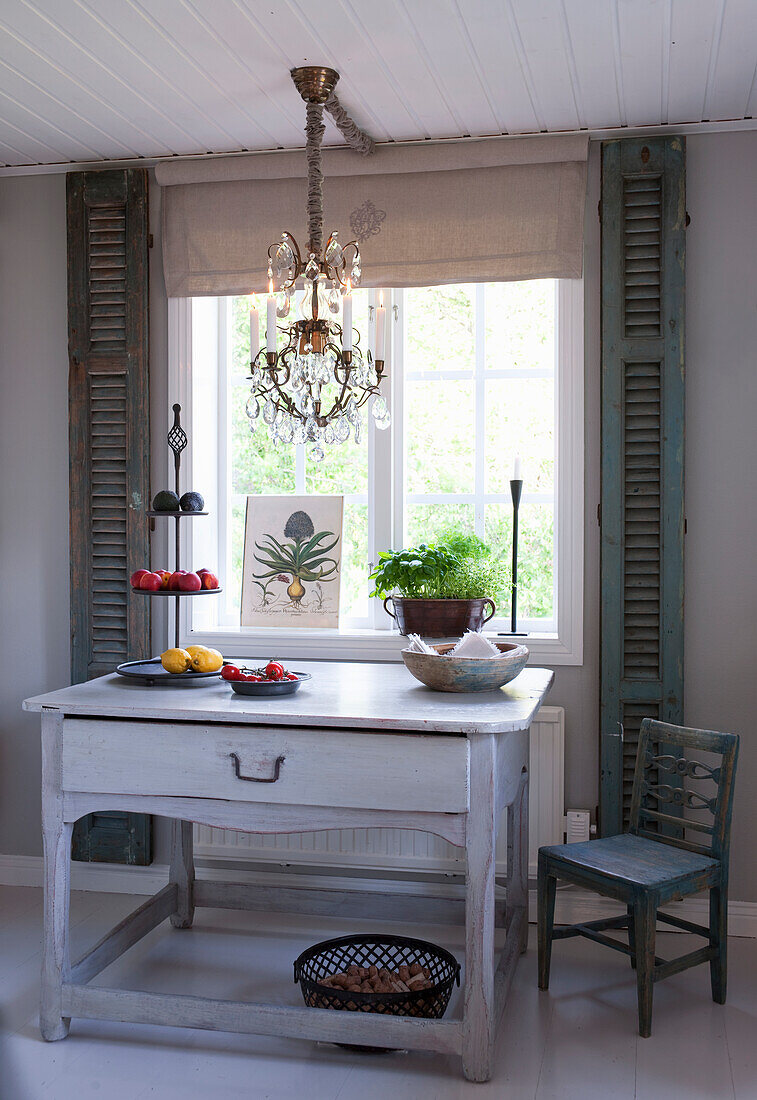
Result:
<point x="407" y="849"/>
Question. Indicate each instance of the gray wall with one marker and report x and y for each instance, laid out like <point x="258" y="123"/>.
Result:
<point x="576" y="688"/>
<point x="34" y="593"/>
<point x="720" y="679"/>
<point x="721" y="589"/>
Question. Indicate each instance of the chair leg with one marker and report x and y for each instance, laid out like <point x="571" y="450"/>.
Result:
<point x="645" y="921"/>
<point x="546" y="888"/>
<point x="719" y="940"/>
<point x="631" y="936"/>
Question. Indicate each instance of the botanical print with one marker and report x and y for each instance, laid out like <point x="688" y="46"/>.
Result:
<point x="292" y="561"/>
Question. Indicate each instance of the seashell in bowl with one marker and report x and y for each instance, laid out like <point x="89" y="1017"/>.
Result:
<point x="446" y="673"/>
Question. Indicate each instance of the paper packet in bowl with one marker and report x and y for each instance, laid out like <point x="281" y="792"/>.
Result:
<point x="474" y="644"/>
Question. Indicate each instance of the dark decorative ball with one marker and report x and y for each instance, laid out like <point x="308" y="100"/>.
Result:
<point x="299" y="526"/>
<point x="192" y="502"/>
<point x="165" y="501"/>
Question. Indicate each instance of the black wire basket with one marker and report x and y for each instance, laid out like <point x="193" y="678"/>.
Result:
<point x="384" y="952"/>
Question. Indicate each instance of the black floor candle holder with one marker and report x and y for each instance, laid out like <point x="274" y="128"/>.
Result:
<point x="516" y="489"/>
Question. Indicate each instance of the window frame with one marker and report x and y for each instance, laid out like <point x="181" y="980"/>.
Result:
<point x="376" y="642"/>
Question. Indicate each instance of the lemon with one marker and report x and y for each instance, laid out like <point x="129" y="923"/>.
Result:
<point x="204" y="659"/>
<point x="176" y="660"/>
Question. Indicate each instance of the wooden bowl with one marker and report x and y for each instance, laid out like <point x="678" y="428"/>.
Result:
<point x="446" y="673"/>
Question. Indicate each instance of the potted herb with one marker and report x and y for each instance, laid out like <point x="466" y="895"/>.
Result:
<point x="442" y="589"/>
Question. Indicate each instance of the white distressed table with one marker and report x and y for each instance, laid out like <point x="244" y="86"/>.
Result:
<point x="360" y="745"/>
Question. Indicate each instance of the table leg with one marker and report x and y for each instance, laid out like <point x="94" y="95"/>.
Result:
<point x="182" y="872"/>
<point x="56" y="838"/>
<point x="517" y="858"/>
<point x="481" y="830"/>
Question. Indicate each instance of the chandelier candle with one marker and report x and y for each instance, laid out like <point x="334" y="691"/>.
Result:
<point x="313" y="390"/>
<point x="270" y="332"/>
<point x="254" y="329"/>
<point x="380" y="329"/>
<point x="347" y="318"/>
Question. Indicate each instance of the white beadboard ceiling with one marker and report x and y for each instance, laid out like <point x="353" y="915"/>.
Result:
<point x="95" y="80"/>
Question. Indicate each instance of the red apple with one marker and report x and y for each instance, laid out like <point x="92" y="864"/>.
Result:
<point x="189" y="582"/>
<point x="135" y="578"/>
<point x="173" y="580"/>
<point x="151" y="582"/>
<point x="209" y="580"/>
<point x="165" y="577"/>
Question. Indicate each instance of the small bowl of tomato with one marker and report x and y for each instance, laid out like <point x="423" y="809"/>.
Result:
<point x="272" y="679"/>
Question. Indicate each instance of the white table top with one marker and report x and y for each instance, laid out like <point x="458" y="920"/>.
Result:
<point x="378" y="696"/>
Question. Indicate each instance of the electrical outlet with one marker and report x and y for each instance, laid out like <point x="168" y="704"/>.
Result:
<point x="577" y="826"/>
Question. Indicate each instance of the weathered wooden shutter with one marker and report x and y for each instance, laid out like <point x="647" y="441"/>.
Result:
<point x="109" y="440"/>
<point x="643" y="216"/>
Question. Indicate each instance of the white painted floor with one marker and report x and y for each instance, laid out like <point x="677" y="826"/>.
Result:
<point x="577" y="1042"/>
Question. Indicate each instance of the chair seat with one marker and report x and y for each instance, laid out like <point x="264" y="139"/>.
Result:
<point x="632" y="859"/>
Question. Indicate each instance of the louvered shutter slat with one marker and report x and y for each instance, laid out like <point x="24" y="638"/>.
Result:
<point x="642" y="454"/>
<point x="109" y="445"/>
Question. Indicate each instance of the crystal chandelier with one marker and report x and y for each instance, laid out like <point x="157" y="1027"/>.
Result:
<point x="314" y="388"/>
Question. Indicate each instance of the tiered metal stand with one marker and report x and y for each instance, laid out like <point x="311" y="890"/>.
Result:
<point x="151" y="672"/>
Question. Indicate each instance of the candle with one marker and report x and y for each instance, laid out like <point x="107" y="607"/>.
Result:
<point x="380" y="327"/>
<point x="254" y="329"/>
<point x="517" y="475"/>
<point x="270" y="334"/>
<point x="347" y="318"/>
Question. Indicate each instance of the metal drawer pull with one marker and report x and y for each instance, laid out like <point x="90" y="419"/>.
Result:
<point x="255" y="778"/>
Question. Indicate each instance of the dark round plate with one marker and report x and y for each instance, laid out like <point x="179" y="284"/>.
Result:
<point x="176" y="592"/>
<point x="269" y="687"/>
<point x="152" y="674"/>
<point x="174" y="514"/>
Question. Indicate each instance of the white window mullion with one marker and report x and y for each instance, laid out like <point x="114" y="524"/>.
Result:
<point x="224" y="451"/>
<point x="200" y="461"/>
<point x="381" y="450"/>
<point x="479" y="430"/>
<point x="399" y="420"/>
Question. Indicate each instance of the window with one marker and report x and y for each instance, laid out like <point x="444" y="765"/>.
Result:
<point x="477" y="373"/>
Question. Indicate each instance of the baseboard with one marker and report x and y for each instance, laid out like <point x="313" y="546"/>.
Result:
<point x="110" y="878"/>
<point x="572" y="906"/>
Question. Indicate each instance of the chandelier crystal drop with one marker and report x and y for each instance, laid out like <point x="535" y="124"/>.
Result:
<point x="312" y="389"/>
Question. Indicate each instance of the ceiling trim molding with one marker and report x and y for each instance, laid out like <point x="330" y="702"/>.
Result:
<point x="686" y="128"/>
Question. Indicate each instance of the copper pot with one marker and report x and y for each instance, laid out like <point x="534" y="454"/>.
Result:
<point x="438" y="618"/>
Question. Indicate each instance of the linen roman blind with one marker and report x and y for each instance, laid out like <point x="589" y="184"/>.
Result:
<point x="470" y="211"/>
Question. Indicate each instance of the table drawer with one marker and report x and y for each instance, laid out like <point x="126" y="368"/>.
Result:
<point x="262" y="764"/>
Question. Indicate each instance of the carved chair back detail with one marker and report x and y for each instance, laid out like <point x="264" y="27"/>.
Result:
<point x="663" y="777"/>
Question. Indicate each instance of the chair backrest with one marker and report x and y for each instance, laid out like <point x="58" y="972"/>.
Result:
<point x="664" y="766"/>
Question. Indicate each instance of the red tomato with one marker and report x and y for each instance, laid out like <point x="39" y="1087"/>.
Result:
<point x="252" y="679"/>
<point x="230" y="672"/>
<point x="291" y="676"/>
<point x="274" y="671"/>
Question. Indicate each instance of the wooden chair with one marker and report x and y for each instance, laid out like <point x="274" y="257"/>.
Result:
<point x="653" y="863"/>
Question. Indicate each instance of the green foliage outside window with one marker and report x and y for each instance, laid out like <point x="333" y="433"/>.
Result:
<point x="439" y="438"/>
